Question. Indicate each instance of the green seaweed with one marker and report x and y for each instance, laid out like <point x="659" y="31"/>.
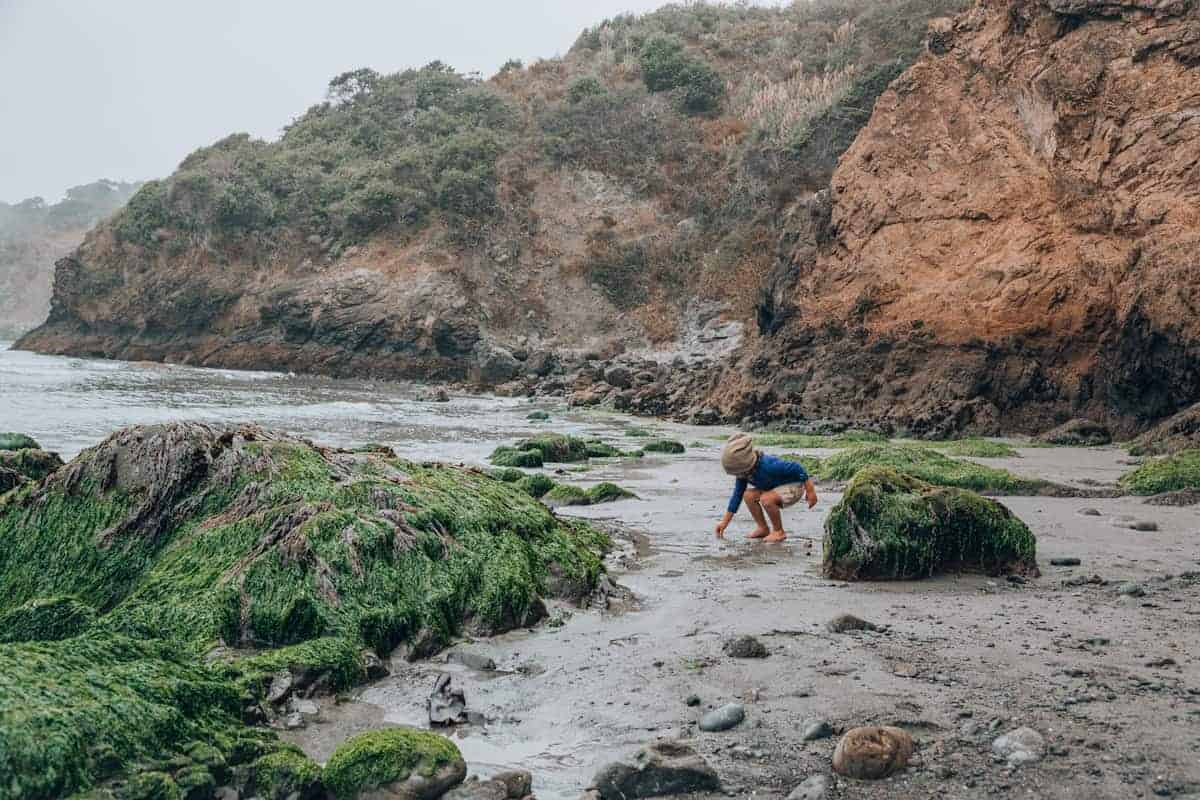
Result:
<point x="932" y="467"/>
<point x="606" y="492"/>
<point x="535" y="485"/>
<point x="30" y="463"/>
<point x="262" y="542"/>
<point x="812" y="440"/>
<point x="377" y="758"/>
<point x="974" y="448"/>
<point x="565" y="494"/>
<point x="556" y="448"/>
<point x="639" y="433"/>
<point x="512" y="457"/>
<point x="598" y="449"/>
<point x="285" y="773"/>
<point x="1167" y="474"/>
<point x="664" y="446"/>
<point x="46" y="619"/>
<point x="538" y="416"/>
<point x="890" y="525"/>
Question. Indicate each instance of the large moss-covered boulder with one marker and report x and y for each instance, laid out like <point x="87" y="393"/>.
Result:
<point x="46" y="619"/>
<point x="404" y="762"/>
<point x="187" y="536"/>
<point x="1178" y="432"/>
<point x="892" y="526"/>
<point x="1173" y="473"/>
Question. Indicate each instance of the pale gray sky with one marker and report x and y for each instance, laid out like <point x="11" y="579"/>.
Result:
<point x="124" y="89"/>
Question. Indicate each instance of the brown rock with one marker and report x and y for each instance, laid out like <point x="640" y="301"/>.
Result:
<point x="872" y="752"/>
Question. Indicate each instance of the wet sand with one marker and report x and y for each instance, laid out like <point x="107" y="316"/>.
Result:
<point x="1110" y="680"/>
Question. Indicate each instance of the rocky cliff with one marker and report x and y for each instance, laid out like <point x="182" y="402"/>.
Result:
<point x="1008" y="242"/>
<point x="1012" y="240"/>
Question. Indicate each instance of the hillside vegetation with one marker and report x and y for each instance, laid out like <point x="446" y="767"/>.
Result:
<point x="619" y="196"/>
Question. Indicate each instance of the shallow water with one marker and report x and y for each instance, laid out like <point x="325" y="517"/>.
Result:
<point x="68" y="404"/>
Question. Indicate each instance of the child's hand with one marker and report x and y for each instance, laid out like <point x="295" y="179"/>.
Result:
<point x="721" y="526"/>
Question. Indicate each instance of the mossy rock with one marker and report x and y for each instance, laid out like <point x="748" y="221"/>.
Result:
<point x="419" y="759"/>
<point x="933" y="467"/>
<point x="195" y="782"/>
<point x="508" y="475"/>
<point x="975" y="448"/>
<point x="535" y="485"/>
<point x="538" y="416"/>
<point x="566" y="494"/>
<point x="598" y="449"/>
<point x="1172" y="473"/>
<point x="18" y="441"/>
<point x="212" y="533"/>
<point x="512" y="457"/>
<point x="286" y="773"/>
<point x="816" y="440"/>
<point x="556" y="448"/>
<point x="607" y="492"/>
<point x="639" y="433"/>
<point x="892" y="526"/>
<point x="30" y="464"/>
<point x="46" y="619"/>
<point x="664" y="446"/>
<point x="151" y="786"/>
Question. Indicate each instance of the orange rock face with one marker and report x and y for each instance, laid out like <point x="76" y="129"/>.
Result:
<point x="1014" y="238"/>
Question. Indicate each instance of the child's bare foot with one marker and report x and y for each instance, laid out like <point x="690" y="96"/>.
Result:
<point x="776" y="536"/>
<point x="758" y="533"/>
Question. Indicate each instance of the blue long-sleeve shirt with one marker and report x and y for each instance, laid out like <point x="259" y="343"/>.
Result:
<point x="769" y="473"/>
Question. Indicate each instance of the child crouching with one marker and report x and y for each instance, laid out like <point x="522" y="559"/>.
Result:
<point x="768" y="484"/>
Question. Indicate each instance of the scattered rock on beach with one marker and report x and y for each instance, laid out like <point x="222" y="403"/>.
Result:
<point x="848" y="622"/>
<point x="1022" y="746"/>
<point x="664" y="768"/>
<point x="1131" y="589"/>
<point x="815" y="787"/>
<point x="1142" y="525"/>
<point x="511" y="785"/>
<point x="692" y="700"/>
<point x="1078" y="433"/>
<point x="1090" y="512"/>
<point x="1180" y="497"/>
<point x="447" y="704"/>
<point x="873" y="752"/>
<point x="745" y="647"/>
<point x="816" y="729"/>
<point x="1065" y="562"/>
<point x="723" y="718"/>
<point x="472" y="660"/>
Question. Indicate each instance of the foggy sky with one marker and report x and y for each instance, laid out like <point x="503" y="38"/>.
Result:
<point x="124" y="89"/>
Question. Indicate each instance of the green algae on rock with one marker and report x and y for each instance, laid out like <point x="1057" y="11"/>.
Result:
<point x="933" y="467"/>
<point x="185" y="536"/>
<point x="893" y="526"/>
<point x="511" y="457"/>
<point x="380" y="758"/>
<point x="287" y="773"/>
<point x="565" y="494"/>
<point x="538" y="416"/>
<point x="664" y="446"/>
<point x="30" y="463"/>
<point x="1171" y="473"/>
<point x="46" y="619"/>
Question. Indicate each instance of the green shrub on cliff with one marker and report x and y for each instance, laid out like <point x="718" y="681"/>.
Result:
<point x="1168" y="474"/>
<point x="46" y="619"/>
<point x="18" y="441"/>
<point x="892" y="526"/>
<point x="666" y="66"/>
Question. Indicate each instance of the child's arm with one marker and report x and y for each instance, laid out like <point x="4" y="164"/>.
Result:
<point x="739" y="489"/>
<point x="810" y="493"/>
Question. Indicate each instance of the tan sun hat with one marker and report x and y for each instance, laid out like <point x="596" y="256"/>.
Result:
<point x="738" y="455"/>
